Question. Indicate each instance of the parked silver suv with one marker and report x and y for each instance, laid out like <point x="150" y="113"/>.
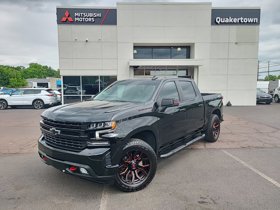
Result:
<point x="36" y="97"/>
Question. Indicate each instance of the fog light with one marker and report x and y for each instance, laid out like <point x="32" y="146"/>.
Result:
<point x="83" y="171"/>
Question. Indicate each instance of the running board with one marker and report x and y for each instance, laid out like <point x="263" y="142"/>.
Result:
<point x="182" y="147"/>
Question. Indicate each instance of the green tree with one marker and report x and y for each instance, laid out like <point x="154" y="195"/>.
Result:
<point x="14" y="77"/>
<point x="11" y="76"/>
<point x="35" y="70"/>
<point x="4" y="76"/>
<point x="16" y="82"/>
<point x="270" y="78"/>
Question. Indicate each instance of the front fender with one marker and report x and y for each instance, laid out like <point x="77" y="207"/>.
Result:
<point x="127" y="128"/>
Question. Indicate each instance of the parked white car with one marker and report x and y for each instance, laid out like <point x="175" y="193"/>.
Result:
<point x="36" y="97"/>
<point x="276" y="94"/>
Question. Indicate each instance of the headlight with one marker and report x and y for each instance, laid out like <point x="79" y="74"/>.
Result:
<point x="102" y="125"/>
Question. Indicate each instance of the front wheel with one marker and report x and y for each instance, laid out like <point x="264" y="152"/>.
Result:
<point x="137" y="166"/>
<point x="38" y="104"/>
<point x="213" y="129"/>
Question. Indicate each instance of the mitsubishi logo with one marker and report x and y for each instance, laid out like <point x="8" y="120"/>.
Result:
<point x="54" y="131"/>
<point x="66" y="17"/>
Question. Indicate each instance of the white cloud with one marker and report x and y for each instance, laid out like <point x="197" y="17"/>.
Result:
<point x="29" y="31"/>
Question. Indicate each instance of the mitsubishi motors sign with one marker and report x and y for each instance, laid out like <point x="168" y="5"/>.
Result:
<point x="86" y="16"/>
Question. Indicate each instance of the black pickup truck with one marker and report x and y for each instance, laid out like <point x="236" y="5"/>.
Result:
<point x="119" y="136"/>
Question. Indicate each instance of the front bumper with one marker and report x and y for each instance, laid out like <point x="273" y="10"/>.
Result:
<point x="264" y="100"/>
<point x="96" y="161"/>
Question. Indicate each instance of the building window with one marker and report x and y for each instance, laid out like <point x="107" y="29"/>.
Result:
<point x="184" y="71"/>
<point x="160" y="52"/>
<point x="143" y="53"/>
<point x="106" y="81"/>
<point x="82" y="88"/>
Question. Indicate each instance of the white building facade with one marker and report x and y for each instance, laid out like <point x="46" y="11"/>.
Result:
<point x="217" y="47"/>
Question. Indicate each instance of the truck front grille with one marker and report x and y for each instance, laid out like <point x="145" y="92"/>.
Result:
<point x="64" y="135"/>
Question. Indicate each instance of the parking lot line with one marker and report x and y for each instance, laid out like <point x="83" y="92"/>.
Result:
<point x="104" y="198"/>
<point x="275" y="183"/>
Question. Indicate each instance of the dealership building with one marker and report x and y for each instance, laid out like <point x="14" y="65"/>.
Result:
<point x="217" y="47"/>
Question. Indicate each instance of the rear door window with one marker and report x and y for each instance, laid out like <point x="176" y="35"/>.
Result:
<point x="187" y="90"/>
<point x="31" y="91"/>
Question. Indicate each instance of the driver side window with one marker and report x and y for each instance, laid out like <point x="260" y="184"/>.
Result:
<point x="17" y="92"/>
<point x="168" y="91"/>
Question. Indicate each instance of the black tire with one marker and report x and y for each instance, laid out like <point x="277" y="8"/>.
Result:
<point x="276" y="99"/>
<point x="137" y="168"/>
<point x="213" y="130"/>
<point x="3" y="104"/>
<point x="38" y="104"/>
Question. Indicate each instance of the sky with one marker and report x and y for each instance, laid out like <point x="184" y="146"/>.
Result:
<point x="28" y="30"/>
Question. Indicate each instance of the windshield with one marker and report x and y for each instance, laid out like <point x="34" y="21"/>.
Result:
<point x="129" y="91"/>
<point x="260" y="91"/>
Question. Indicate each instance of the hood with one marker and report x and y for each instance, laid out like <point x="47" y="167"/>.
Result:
<point x="260" y="94"/>
<point x="90" y="111"/>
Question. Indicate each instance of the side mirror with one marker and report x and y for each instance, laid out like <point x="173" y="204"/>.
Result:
<point x="165" y="102"/>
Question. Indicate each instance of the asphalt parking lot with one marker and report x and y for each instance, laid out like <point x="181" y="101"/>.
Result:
<point x="240" y="171"/>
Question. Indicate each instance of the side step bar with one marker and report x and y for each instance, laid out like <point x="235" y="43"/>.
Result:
<point x="182" y="147"/>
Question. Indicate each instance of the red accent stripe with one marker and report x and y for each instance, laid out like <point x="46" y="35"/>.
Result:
<point x="105" y="16"/>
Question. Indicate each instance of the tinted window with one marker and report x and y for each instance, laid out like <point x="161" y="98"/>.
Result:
<point x="50" y="90"/>
<point x="72" y="85"/>
<point x="161" y="53"/>
<point x="17" y="92"/>
<point x="143" y="52"/>
<point x="168" y="91"/>
<point x="180" y="52"/>
<point x="31" y="91"/>
<point x="187" y="89"/>
<point x="106" y="81"/>
<point x="90" y="85"/>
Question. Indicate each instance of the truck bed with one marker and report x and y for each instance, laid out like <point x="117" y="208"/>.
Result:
<point x="211" y="96"/>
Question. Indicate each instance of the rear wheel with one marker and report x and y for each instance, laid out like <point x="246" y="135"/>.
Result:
<point x="276" y="99"/>
<point x="3" y="104"/>
<point x="137" y="166"/>
<point x="38" y="104"/>
<point x="213" y="129"/>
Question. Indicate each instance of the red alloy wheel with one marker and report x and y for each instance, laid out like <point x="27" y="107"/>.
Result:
<point x="134" y="168"/>
<point x="216" y="129"/>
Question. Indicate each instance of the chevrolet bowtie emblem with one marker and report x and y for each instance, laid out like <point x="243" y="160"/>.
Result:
<point x="54" y="131"/>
